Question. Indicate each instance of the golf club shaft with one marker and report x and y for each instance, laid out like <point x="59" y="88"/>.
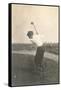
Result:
<point x="35" y="29"/>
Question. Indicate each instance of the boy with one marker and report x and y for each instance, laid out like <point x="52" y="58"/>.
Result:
<point x="36" y="39"/>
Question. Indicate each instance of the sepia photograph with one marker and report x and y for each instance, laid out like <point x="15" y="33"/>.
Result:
<point x="34" y="44"/>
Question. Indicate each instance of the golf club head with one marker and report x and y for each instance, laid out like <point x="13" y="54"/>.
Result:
<point x="32" y="23"/>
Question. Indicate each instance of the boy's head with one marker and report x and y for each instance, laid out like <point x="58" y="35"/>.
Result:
<point x="30" y="34"/>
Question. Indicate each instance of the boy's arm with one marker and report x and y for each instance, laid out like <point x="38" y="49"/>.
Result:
<point x="33" y="42"/>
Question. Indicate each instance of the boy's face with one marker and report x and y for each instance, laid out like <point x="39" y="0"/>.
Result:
<point x="30" y="37"/>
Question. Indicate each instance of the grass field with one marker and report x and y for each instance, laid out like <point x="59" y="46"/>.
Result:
<point x="24" y="71"/>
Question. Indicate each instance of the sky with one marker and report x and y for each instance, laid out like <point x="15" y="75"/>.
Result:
<point x="45" y="19"/>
